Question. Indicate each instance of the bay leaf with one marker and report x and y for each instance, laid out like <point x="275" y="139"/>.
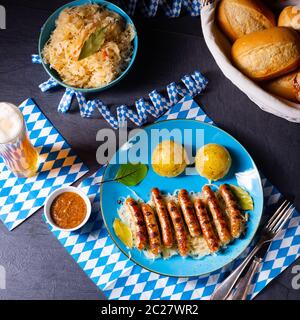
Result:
<point x="93" y="43"/>
<point x="131" y="174"/>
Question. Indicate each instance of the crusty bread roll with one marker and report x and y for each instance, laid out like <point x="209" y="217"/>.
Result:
<point x="290" y="17"/>
<point x="283" y="86"/>
<point x="240" y="17"/>
<point x="267" y="54"/>
<point x="297" y="86"/>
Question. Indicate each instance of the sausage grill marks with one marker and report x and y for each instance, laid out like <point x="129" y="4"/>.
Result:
<point x="218" y="217"/>
<point x="179" y="228"/>
<point x="163" y="217"/>
<point x="189" y="214"/>
<point x="141" y="231"/>
<point x="236" y="220"/>
<point x="157" y="230"/>
<point x="207" y="227"/>
<point x="152" y="229"/>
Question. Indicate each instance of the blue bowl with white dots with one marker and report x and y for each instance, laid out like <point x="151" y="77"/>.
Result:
<point x="49" y="27"/>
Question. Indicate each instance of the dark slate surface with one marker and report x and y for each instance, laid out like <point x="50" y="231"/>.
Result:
<point x="37" y="266"/>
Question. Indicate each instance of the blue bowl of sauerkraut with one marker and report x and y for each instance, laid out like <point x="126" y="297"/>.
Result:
<point x="88" y="46"/>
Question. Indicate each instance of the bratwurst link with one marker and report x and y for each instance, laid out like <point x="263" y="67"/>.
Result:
<point x="236" y="220"/>
<point x="152" y="229"/>
<point x="179" y="228"/>
<point x="216" y="212"/>
<point x="141" y="231"/>
<point x="163" y="217"/>
<point x="206" y="225"/>
<point x="188" y="211"/>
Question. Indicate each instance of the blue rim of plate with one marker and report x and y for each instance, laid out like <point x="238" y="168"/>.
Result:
<point x="246" y="245"/>
<point x="112" y="7"/>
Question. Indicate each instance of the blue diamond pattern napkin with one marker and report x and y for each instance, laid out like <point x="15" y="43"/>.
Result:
<point x="59" y="166"/>
<point x="119" y="278"/>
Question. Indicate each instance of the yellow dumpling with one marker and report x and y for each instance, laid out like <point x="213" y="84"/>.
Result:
<point x="213" y="161"/>
<point x="169" y="159"/>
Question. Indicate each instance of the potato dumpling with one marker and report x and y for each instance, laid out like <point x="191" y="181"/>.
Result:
<point x="213" y="161"/>
<point x="169" y="159"/>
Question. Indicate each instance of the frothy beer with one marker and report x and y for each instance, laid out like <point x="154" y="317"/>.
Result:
<point x="15" y="148"/>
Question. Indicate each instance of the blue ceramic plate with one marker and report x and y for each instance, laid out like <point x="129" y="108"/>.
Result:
<point x="49" y="26"/>
<point x="243" y="173"/>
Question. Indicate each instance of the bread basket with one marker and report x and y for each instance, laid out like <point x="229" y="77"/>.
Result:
<point x="220" y="48"/>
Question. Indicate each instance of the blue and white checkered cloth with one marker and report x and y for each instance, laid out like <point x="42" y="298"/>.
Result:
<point x="172" y="8"/>
<point x="119" y="278"/>
<point x="192" y="84"/>
<point x="59" y="166"/>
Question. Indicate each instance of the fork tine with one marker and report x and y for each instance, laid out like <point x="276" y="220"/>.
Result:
<point x="284" y="219"/>
<point x="277" y="212"/>
<point x="280" y="215"/>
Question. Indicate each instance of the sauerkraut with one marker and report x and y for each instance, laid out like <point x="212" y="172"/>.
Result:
<point x="73" y="27"/>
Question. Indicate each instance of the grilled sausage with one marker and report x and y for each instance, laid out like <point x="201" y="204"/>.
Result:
<point x="189" y="213"/>
<point x="206" y="225"/>
<point x="163" y="217"/>
<point x="152" y="229"/>
<point x="179" y="228"/>
<point x="218" y="217"/>
<point x="236" y="220"/>
<point x="141" y="231"/>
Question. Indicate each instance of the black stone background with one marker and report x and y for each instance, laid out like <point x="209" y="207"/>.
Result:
<point x="38" y="267"/>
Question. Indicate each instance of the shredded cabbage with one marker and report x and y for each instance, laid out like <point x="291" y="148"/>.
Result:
<point x="73" y="27"/>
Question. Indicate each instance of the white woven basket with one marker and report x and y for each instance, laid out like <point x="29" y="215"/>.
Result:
<point x="220" y="48"/>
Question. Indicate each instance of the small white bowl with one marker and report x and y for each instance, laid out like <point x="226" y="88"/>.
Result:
<point x="56" y="193"/>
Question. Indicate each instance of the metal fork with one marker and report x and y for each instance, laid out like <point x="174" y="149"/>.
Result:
<point x="243" y="286"/>
<point x="269" y="232"/>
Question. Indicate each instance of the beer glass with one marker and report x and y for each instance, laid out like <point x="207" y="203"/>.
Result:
<point x="16" y="150"/>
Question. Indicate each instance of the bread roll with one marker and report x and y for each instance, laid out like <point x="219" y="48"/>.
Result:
<point x="297" y="86"/>
<point x="267" y="54"/>
<point x="283" y="86"/>
<point x="290" y="17"/>
<point x="240" y="17"/>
